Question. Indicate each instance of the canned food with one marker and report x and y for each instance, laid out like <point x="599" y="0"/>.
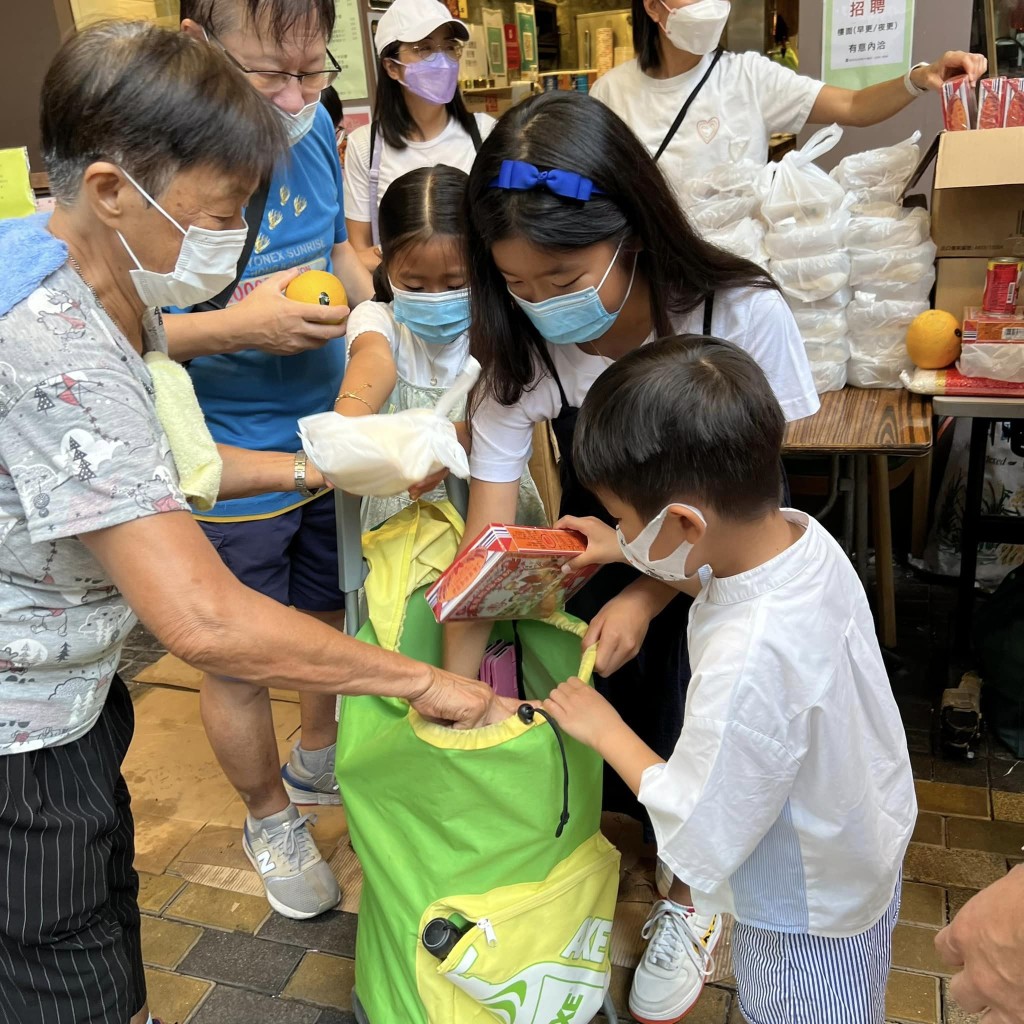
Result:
<point x="1001" y="285"/>
<point x="550" y="83"/>
<point x="582" y="83"/>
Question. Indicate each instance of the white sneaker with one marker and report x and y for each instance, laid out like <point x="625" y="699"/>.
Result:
<point x="663" y="879"/>
<point x="676" y="963"/>
<point x="298" y="882"/>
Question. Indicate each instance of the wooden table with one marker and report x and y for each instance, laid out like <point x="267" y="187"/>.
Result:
<point x="867" y="427"/>
<point x="977" y="527"/>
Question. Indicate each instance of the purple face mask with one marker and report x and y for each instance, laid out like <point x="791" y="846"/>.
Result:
<point x="435" y="78"/>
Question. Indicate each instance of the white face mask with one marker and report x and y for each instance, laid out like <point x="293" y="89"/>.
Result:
<point x="206" y="264"/>
<point x="698" y="27"/>
<point x="670" y="569"/>
<point x="298" y="125"/>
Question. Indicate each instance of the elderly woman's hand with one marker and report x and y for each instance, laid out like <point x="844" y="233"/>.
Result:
<point x="266" y="319"/>
<point x="462" y="703"/>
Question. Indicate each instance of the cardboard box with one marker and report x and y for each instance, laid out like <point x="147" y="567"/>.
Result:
<point x="959" y="284"/>
<point x="978" y="200"/>
<point x="510" y="572"/>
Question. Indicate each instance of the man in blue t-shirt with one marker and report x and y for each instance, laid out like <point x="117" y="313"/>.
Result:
<point x="258" y="365"/>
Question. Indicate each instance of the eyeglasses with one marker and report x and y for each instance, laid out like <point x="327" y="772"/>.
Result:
<point x="451" y="48"/>
<point x="274" y="81"/>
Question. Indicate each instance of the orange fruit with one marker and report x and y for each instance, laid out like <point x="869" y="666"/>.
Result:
<point x="319" y="288"/>
<point x="933" y="339"/>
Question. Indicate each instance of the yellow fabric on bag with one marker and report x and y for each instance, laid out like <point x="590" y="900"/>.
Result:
<point x="406" y="553"/>
<point x="537" y="951"/>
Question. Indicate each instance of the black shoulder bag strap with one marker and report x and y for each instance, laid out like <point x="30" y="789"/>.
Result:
<point x="709" y="310"/>
<point x="474" y="133"/>
<point x="254" y="219"/>
<point x="685" y="109"/>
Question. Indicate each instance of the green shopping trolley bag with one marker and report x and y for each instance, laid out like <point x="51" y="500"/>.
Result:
<point x="456" y="834"/>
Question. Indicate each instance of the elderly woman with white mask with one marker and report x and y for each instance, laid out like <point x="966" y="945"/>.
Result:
<point x="95" y="530"/>
<point x="696" y="106"/>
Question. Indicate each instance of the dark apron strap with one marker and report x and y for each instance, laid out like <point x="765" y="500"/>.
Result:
<point x="684" y="110"/>
<point x="474" y="133"/>
<point x="374" y="184"/>
<point x="254" y="220"/>
<point x="709" y="312"/>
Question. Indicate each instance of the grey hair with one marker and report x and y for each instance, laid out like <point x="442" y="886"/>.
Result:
<point x="154" y="102"/>
<point x="277" y="18"/>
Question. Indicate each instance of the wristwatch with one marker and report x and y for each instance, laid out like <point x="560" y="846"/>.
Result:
<point x="914" y="90"/>
<point x="300" y="475"/>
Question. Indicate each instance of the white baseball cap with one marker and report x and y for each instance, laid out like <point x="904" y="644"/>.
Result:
<point x="408" y="21"/>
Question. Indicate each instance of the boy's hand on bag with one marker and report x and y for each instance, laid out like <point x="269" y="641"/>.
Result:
<point x="619" y="629"/>
<point x="583" y="713"/>
<point x="602" y="542"/>
<point x="986" y="939"/>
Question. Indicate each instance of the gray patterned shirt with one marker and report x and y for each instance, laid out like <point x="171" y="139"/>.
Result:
<point x="81" y="449"/>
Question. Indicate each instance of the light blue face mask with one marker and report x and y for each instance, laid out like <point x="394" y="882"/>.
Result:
<point x="436" y="317"/>
<point x="577" y="317"/>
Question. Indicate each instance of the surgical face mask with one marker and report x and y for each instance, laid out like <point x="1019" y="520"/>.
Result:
<point x="696" y="28"/>
<point x="670" y="569"/>
<point x="577" y="317"/>
<point x="435" y="78"/>
<point x="436" y="317"/>
<point x="207" y="263"/>
<point x="298" y="125"/>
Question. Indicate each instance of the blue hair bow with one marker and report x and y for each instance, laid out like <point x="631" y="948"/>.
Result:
<point x="520" y="176"/>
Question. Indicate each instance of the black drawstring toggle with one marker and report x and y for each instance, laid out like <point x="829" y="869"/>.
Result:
<point x="526" y="713"/>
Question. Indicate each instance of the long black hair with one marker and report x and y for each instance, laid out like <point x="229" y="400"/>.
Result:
<point x="645" y="37"/>
<point x="393" y="119"/>
<point x="574" y="132"/>
<point x="418" y="206"/>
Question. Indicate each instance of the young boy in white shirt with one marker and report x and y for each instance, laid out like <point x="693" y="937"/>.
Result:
<point x="789" y="800"/>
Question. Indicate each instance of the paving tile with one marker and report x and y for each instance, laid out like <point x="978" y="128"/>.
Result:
<point x="165" y="943"/>
<point x="956" y="899"/>
<point x="922" y="765"/>
<point x="242" y="960"/>
<point x="333" y="932"/>
<point x="912" y="997"/>
<point x="219" y="908"/>
<point x="712" y="1007"/>
<point x="973" y="772"/>
<point x="913" y="947"/>
<point x="947" y="798"/>
<point x="172" y="997"/>
<point x="156" y="891"/>
<point x="336" y="1017"/>
<point x="951" y="1012"/>
<point x="323" y="979"/>
<point x="214" y="846"/>
<point x="1007" y="806"/>
<point x="967" y="869"/>
<point x="228" y="1005"/>
<point x="159" y="840"/>
<point x="1003" y="837"/>
<point x="923" y="904"/>
<point x="929" y="829"/>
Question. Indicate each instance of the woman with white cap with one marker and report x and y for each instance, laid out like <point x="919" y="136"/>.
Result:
<point x="696" y="106"/>
<point x="420" y="118"/>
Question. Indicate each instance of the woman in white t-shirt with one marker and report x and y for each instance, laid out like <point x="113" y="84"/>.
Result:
<point x="408" y="344"/>
<point x="420" y="118"/>
<point x="578" y="253"/>
<point x="732" y="103"/>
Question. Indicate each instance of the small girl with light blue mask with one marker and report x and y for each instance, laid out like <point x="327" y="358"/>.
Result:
<point x="407" y="345"/>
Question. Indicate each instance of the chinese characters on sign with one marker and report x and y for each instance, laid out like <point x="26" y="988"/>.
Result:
<point x="864" y="36"/>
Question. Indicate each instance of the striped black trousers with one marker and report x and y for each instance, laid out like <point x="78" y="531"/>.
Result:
<point x="70" y="951"/>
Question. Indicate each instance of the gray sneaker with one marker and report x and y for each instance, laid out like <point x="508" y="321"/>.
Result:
<point x="297" y="880"/>
<point x="305" y="787"/>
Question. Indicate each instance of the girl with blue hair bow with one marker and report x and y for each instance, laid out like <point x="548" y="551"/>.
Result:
<point x="578" y="254"/>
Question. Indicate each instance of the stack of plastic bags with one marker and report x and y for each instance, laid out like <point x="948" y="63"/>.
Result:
<point x="891" y="261"/>
<point x="808" y="221"/>
<point x="725" y="204"/>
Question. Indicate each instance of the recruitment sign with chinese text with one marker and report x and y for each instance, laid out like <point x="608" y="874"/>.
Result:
<point x="866" y="41"/>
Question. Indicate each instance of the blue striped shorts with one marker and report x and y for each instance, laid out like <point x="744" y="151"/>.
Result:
<point x="811" y="979"/>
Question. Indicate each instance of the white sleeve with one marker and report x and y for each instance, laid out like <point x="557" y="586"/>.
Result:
<point x="371" y="316"/>
<point x="503" y="434"/>
<point x="785" y="98"/>
<point x="716" y="797"/>
<point x="357" y="174"/>
<point x="485" y="125"/>
<point x="773" y="339"/>
<point x="599" y="89"/>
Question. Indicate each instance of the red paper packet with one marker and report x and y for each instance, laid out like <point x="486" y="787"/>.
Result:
<point x="959" y="104"/>
<point x="993" y="101"/>
<point x="510" y="572"/>
<point x="1015" y="103"/>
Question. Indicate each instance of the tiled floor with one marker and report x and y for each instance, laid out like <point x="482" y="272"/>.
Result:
<point x="215" y="953"/>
